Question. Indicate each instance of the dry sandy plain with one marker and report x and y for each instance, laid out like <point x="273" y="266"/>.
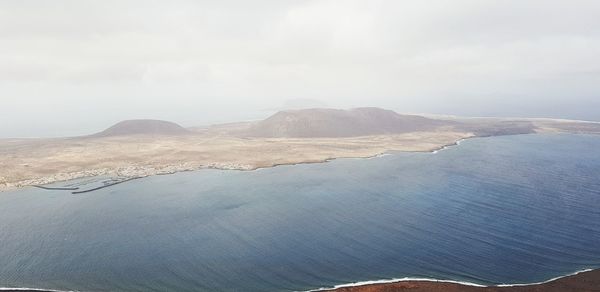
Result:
<point x="29" y="162"/>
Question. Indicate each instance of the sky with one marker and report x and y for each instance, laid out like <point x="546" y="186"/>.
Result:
<point x="76" y="67"/>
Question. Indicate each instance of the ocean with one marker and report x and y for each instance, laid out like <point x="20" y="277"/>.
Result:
<point x="499" y="210"/>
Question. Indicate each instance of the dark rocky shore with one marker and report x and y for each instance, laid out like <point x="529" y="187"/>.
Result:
<point x="583" y="282"/>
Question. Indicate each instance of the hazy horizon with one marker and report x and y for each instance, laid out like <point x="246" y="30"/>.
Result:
<point x="76" y="67"/>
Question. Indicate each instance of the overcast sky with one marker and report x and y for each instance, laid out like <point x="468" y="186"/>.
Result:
<point x="75" y="67"/>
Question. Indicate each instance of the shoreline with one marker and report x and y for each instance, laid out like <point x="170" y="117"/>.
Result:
<point x="141" y="171"/>
<point x="413" y="283"/>
<point x="433" y="280"/>
<point x="146" y="171"/>
<point x="457" y="143"/>
<point x="44" y="161"/>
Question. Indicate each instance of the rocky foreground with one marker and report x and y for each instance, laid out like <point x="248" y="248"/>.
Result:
<point x="588" y="281"/>
<point x="583" y="282"/>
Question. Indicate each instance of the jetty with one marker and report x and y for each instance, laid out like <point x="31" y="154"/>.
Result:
<point x="106" y="185"/>
<point x="56" y="188"/>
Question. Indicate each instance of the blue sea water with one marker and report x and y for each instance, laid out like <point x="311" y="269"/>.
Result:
<point x="512" y="209"/>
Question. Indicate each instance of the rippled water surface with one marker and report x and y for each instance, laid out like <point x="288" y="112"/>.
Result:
<point x="512" y="209"/>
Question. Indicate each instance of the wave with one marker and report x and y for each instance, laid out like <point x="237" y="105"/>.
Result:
<point x="547" y="281"/>
<point x="448" y="146"/>
<point x="407" y="279"/>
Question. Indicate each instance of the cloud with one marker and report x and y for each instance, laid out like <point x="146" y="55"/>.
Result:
<point x="211" y="55"/>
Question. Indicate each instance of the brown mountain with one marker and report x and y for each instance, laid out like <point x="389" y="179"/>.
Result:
<point x="143" y="127"/>
<point x="340" y="123"/>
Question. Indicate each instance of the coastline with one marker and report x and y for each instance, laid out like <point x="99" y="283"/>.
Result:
<point x="418" y="281"/>
<point x="360" y="151"/>
<point x="140" y="171"/>
<point x="42" y="161"/>
<point x="450" y="145"/>
<point x="565" y="283"/>
<point x="579" y="281"/>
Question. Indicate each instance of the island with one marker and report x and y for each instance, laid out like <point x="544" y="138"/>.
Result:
<point x="138" y="148"/>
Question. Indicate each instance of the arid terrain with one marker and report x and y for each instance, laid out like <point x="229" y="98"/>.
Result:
<point x="148" y="147"/>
